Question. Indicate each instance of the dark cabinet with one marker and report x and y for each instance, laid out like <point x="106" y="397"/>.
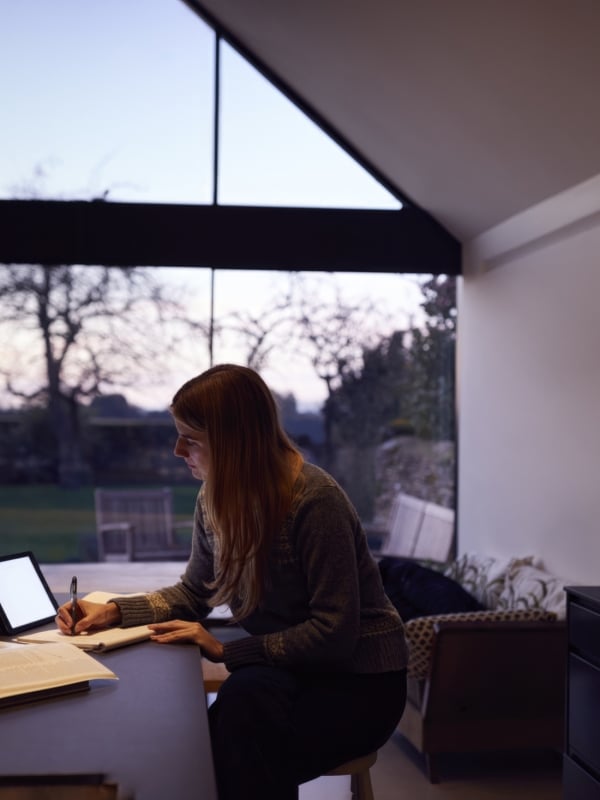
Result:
<point x="581" y="774"/>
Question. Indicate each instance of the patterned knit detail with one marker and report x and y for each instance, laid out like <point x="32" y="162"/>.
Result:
<point x="160" y="608"/>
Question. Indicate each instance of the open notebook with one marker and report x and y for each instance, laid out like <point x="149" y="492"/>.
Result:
<point x="100" y="641"/>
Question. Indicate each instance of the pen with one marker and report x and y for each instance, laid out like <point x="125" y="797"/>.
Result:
<point x="73" y="592"/>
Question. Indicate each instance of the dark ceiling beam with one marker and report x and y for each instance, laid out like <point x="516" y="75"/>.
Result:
<point x="128" y="234"/>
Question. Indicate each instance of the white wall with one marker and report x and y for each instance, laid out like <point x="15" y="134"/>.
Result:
<point x="529" y="397"/>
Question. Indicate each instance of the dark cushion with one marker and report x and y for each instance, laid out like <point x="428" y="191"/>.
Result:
<point x="418" y="591"/>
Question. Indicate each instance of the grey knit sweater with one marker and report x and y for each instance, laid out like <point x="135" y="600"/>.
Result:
<point x="324" y="608"/>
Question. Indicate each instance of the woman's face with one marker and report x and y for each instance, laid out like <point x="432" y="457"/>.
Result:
<point x="192" y="445"/>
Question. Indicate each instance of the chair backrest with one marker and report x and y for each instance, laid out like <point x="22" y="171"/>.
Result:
<point x="149" y="512"/>
<point x="436" y="535"/>
<point x="405" y="523"/>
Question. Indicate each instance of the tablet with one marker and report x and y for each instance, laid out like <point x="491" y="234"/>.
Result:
<point x="25" y="598"/>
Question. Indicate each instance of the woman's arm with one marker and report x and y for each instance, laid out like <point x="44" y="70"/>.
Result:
<point x="178" y="630"/>
<point x="187" y="599"/>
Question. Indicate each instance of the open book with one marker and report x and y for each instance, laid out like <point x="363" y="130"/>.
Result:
<point x="99" y="641"/>
<point x="29" y="672"/>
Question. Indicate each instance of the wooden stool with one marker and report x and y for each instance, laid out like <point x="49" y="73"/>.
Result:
<point x="360" y="780"/>
<point x="215" y="675"/>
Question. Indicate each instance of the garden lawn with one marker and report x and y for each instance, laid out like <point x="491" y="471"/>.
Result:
<point x="58" y="524"/>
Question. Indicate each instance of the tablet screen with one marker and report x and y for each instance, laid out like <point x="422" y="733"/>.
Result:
<point x="25" y="597"/>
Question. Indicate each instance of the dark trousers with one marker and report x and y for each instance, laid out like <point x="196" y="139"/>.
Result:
<point x="273" y="729"/>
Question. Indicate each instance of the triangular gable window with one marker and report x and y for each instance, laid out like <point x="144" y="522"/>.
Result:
<point x="128" y="114"/>
<point x="167" y="117"/>
<point x="272" y="154"/>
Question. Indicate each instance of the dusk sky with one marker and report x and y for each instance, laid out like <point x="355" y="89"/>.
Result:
<point x="117" y="96"/>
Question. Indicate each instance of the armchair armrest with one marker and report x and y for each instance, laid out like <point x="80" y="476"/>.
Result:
<point x="421" y="632"/>
<point x="497" y="668"/>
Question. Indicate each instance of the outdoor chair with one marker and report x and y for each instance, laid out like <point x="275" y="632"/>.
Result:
<point x="406" y="518"/>
<point x="415" y="529"/>
<point x="436" y="534"/>
<point x="138" y="525"/>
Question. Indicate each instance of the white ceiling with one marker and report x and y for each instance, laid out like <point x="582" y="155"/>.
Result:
<point x="475" y="109"/>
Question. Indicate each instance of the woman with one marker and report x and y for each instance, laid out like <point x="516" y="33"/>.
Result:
<point x="321" y="678"/>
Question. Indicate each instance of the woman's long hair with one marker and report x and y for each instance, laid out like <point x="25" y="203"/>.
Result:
<point x="249" y="484"/>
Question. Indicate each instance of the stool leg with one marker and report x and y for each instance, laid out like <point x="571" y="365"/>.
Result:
<point x="431" y="768"/>
<point x="361" y="787"/>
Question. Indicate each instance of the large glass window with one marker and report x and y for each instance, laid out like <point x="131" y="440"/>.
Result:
<point x="117" y="100"/>
<point x="362" y="366"/>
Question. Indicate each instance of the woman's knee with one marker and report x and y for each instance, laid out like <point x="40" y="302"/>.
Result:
<point x="253" y="697"/>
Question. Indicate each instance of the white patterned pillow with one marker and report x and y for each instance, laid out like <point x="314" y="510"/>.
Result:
<point x="484" y="576"/>
<point x="420" y="632"/>
<point x="527" y="587"/>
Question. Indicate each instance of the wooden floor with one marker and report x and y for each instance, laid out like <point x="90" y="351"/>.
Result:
<point x="398" y="773"/>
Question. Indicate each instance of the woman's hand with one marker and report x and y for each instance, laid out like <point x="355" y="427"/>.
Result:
<point x="90" y="616"/>
<point x="177" y="630"/>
